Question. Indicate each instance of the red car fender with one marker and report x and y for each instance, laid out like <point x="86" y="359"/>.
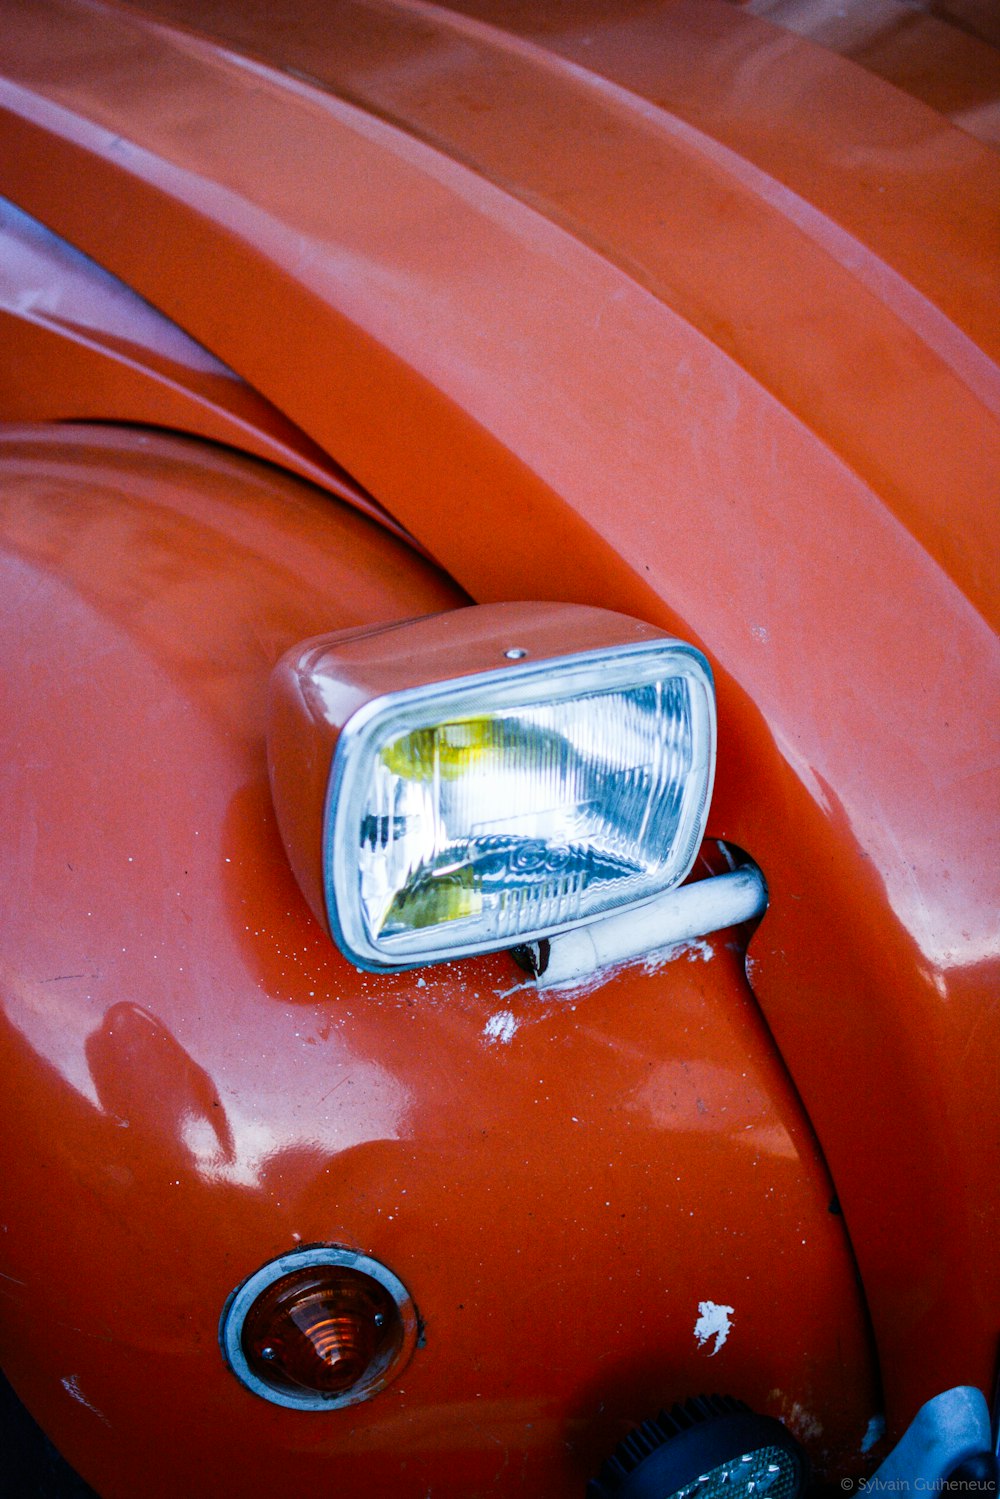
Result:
<point x="596" y="1200"/>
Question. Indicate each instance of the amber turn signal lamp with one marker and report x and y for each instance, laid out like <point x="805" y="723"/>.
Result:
<point x="319" y="1328"/>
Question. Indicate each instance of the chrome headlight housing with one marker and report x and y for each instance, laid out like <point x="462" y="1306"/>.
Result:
<point x="561" y="770"/>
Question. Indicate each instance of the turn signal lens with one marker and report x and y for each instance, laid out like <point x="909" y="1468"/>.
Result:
<point x="319" y="1328"/>
<point x="322" y="1330"/>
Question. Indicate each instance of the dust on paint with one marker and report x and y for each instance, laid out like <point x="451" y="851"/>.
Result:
<point x="694" y="950"/>
<point x="714" y="1321"/>
<point x="579" y="988"/>
<point x="802" y="1423"/>
<point x="501" y="1027"/>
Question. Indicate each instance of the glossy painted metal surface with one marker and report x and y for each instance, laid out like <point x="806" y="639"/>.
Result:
<point x="666" y="309"/>
<point x="79" y="345"/>
<point x="941" y="51"/>
<point x="570" y="1185"/>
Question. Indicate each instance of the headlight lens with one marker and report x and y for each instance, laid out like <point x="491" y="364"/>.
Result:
<point x="476" y="816"/>
<point x="481" y="779"/>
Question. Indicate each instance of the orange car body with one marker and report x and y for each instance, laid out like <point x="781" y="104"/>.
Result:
<point x="382" y="307"/>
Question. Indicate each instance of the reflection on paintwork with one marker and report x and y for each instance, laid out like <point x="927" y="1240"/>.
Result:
<point x="43" y="277"/>
<point x="697" y="1095"/>
<point x="148" y="1083"/>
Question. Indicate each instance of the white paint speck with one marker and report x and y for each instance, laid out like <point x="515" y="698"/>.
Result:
<point x="713" y="1322"/>
<point x="698" y="948"/>
<point x="501" y="1027"/>
<point x="874" y="1433"/>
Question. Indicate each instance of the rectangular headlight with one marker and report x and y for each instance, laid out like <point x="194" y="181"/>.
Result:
<point x="547" y="780"/>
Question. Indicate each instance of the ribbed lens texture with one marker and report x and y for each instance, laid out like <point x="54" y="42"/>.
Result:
<point x="323" y="1329"/>
<point x="529" y="817"/>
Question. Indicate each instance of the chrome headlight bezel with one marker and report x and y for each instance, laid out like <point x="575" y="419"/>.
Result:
<point x="340" y="702"/>
<point x="527" y="684"/>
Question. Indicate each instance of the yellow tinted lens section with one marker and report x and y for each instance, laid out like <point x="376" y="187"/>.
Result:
<point x="447" y="750"/>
